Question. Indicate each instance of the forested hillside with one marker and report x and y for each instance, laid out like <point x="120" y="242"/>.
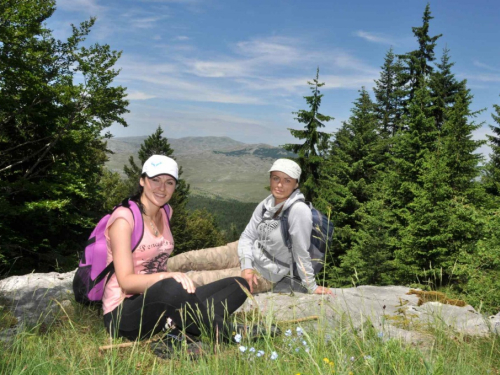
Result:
<point x="231" y="216"/>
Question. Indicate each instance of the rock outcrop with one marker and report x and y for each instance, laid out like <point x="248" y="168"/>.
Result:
<point x="36" y="298"/>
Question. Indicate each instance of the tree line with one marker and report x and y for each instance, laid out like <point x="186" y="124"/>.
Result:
<point x="410" y="197"/>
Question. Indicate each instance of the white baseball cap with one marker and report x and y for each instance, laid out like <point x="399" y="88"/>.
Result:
<point x="160" y="164"/>
<point x="287" y="166"/>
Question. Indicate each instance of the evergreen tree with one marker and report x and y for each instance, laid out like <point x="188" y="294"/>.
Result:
<point x="437" y="216"/>
<point x="52" y="150"/>
<point x="401" y="180"/>
<point x="444" y="88"/>
<point x="348" y="175"/>
<point x="389" y="95"/>
<point x="311" y="154"/>
<point x="459" y="148"/>
<point x="417" y="64"/>
<point x="491" y="178"/>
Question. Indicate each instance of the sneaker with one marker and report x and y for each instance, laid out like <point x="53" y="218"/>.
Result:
<point x="170" y="345"/>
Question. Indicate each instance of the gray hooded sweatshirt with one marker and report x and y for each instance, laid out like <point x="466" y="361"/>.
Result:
<point x="263" y="232"/>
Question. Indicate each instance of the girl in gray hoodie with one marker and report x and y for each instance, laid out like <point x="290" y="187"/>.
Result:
<point x="261" y="256"/>
<point x="261" y="249"/>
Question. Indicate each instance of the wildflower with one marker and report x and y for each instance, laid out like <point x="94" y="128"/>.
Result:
<point x="274" y="356"/>
<point x="368" y="357"/>
<point x="353" y="359"/>
<point x="326" y="360"/>
<point x="300" y="332"/>
<point x="380" y="334"/>
<point x="243" y="349"/>
<point x="237" y="338"/>
<point x="288" y="332"/>
<point x="260" y="353"/>
<point x="307" y="349"/>
<point x="304" y="342"/>
<point x="297" y="350"/>
<point x="252" y="350"/>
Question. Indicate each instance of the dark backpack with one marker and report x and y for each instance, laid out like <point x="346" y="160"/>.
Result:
<point x="90" y="277"/>
<point x="321" y="239"/>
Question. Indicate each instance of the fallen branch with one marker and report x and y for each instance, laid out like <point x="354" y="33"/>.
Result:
<point x="305" y="319"/>
<point x="124" y="345"/>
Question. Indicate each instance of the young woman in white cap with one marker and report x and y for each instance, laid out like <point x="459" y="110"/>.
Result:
<point x="141" y="297"/>
<point x="261" y="256"/>
<point x="261" y="248"/>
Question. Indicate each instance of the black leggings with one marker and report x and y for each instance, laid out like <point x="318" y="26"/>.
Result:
<point x="144" y="315"/>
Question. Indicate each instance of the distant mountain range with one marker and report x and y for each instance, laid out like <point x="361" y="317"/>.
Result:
<point x="213" y="166"/>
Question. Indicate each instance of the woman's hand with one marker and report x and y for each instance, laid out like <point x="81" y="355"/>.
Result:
<point x="183" y="279"/>
<point x="250" y="276"/>
<point x="323" y="290"/>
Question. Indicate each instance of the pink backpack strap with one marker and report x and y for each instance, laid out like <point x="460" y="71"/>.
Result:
<point x="138" y="231"/>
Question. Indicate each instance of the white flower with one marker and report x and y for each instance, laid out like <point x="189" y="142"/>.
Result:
<point x="297" y="350"/>
<point x="307" y="350"/>
<point x="243" y="349"/>
<point x="251" y="350"/>
<point x="274" y="355"/>
<point x="237" y="338"/>
<point x="260" y="353"/>
<point x="288" y="332"/>
<point x="299" y="331"/>
<point x="353" y="359"/>
<point x="304" y="342"/>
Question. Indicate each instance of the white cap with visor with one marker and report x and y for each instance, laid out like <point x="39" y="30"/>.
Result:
<point x="287" y="166"/>
<point x="160" y="164"/>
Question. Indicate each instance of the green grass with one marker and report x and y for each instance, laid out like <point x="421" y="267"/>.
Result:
<point x="70" y="345"/>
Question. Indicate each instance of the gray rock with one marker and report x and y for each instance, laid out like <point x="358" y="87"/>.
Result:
<point x="391" y="311"/>
<point x="36" y="298"/>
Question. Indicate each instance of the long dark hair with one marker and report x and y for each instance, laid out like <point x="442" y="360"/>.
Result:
<point x="138" y="193"/>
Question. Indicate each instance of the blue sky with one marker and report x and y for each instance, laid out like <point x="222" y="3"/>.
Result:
<point x="240" y="68"/>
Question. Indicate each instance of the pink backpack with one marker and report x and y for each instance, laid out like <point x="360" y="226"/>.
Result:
<point x="90" y="277"/>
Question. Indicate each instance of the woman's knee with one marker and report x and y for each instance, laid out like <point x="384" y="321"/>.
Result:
<point x="168" y="290"/>
<point x="242" y="282"/>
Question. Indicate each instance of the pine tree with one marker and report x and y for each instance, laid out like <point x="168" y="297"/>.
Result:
<point x="444" y="88"/>
<point x="347" y="177"/>
<point x="417" y="64"/>
<point x="438" y="218"/>
<point x="491" y="178"/>
<point x="389" y="95"/>
<point x="311" y="154"/>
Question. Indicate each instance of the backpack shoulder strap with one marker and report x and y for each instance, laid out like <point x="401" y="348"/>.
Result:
<point x="167" y="212"/>
<point x="138" y="231"/>
<point x="285" y="225"/>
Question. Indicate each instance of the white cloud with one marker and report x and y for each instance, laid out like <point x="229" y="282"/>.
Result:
<point x="485" y="66"/>
<point x="88" y="6"/>
<point x="138" y="95"/>
<point x="374" y="37"/>
<point x="484" y="77"/>
<point x="147" y="22"/>
<point x="181" y="38"/>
